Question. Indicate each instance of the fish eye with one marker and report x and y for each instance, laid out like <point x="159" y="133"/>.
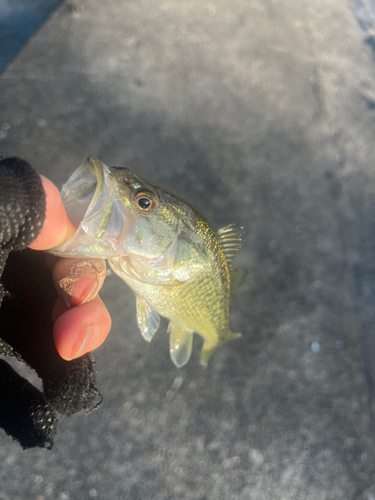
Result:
<point x="145" y="202"/>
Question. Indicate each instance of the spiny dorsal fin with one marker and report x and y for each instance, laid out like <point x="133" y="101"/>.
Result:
<point x="230" y="238"/>
<point x="237" y="276"/>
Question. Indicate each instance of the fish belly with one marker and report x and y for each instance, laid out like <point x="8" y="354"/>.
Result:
<point x="197" y="306"/>
<point x="194" y="305"/>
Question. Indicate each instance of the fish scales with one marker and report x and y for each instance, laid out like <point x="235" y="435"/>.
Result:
<point x="200" y="304"/>
<point x="178" y="266"/>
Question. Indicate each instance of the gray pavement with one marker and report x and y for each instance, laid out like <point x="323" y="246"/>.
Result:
<point x="259" y="113"/>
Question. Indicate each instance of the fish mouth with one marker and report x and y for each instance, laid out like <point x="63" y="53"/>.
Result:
<point x="92" y="200"/>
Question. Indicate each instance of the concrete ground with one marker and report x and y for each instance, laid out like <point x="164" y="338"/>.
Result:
<point x="259" y="113"/>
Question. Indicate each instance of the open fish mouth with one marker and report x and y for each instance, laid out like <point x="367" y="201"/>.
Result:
<point x="92" y="200"/>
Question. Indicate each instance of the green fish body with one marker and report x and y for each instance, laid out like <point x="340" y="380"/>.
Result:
<point x="177" y="265"/>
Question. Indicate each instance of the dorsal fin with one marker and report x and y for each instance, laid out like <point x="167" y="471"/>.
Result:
<point x="230" y="238"/>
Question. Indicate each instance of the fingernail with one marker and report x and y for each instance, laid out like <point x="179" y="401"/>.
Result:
<point x="84" y="289"/>
<point x="89" y="342"/>
<point x="77" y="280"/>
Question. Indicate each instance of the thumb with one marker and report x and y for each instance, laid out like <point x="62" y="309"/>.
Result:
<point x="57" y="226"/>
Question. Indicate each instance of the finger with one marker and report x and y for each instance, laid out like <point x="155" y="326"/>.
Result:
<point x="81" y="329"/>
<point x="57" y="227"/>
<point x="78" y="281"/>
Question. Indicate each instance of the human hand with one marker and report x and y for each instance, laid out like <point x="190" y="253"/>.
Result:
<point x="27" y="297"/>
<point x="81" y="320"/>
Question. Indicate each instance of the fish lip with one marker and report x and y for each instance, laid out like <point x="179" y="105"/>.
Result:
<point x="92" y="199"/>
<point x="97" y="168"/>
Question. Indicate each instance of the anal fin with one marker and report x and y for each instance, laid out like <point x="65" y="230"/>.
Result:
<point x="147" y="319"/>
<point x="180" y="344"/>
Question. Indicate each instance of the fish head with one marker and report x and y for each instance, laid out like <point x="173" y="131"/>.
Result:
<point x="158" y="217"/>
<point x="119" y="213"/>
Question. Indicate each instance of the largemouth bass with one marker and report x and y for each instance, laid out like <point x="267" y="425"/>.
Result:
<point x="177" y="265"/>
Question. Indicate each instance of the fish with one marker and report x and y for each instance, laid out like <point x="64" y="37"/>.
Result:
<point x="177" y="265"/>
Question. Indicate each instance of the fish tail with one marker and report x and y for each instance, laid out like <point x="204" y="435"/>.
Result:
<point x="209" y="347"/>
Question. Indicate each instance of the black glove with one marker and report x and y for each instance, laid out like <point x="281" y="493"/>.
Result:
<point x="27" y="296"/>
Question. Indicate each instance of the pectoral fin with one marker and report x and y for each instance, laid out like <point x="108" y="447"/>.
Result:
<point x="189" y="259"/>
<point x="180" y="344"/>
<point x="148" y="320"/>
<point x="188" y="271"/>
